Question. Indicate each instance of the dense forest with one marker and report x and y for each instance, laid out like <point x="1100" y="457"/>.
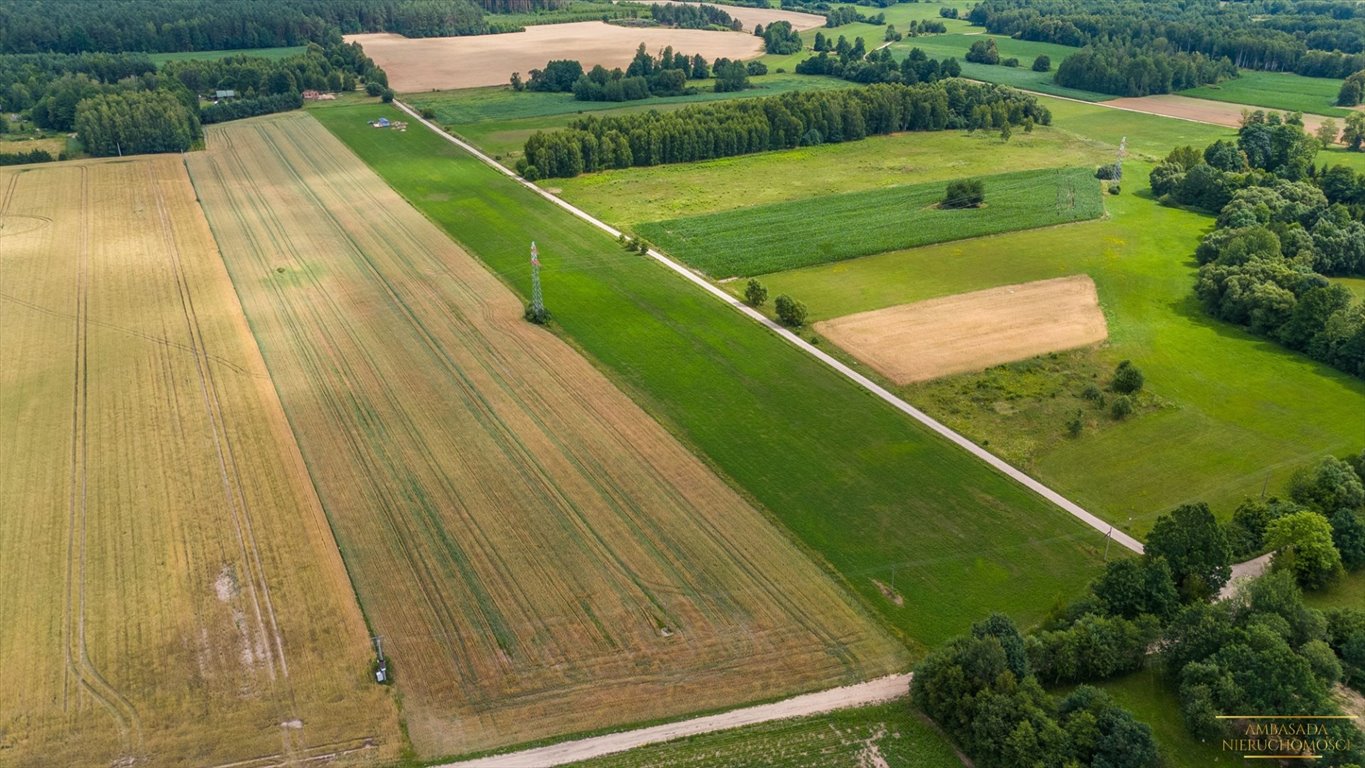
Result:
<point x="73" y="26"/>
<point x="51" y="88"/>
<point x="1125" y="71"/>
<point x="724" y="129"/>
<point x="1320" y="39"/>
<point x="693" y="16"/>
<point x="1284" y="226"/>
<point x="666" y="74"/>
<point x="1262" y="651"/>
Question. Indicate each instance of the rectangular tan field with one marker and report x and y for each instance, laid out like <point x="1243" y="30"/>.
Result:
<point x="1201" y="110"/>
<point x="170" y="593"/>
<point x="540" y="556"/>
<point x="972" y="331"/>
<point x="437" y="63"/>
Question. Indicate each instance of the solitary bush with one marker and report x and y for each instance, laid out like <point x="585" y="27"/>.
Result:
<point x="789" y="311"/>
<point x="965" y="193"/>
<point x="1042" y="64"/>
<point x="1127" y="378"/>
<point x="754" y="293"/>
<point x="1010" y="62"/>
<point x="1108" y="172"/>
<point x="1121" y="408"/>
<point x="428" y="113"/>
<point x="1114" y="189"/>
<point x="1092" y="393"/>
<point x="1075" y="424"/>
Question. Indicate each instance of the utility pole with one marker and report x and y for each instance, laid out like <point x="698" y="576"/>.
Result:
<point x="535" y="311"/>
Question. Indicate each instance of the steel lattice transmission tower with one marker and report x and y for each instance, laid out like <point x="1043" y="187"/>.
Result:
<point x="535" y="312"/>
<point x="1123" y="150"/>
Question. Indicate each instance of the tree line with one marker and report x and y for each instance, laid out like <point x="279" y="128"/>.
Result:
<point x="879" y="66"/>
<point x="742" y="126"/>
<point x="693" y="16"/>
<point x="136" y="122"/>
<point x="1284" y="226"/>
<point x="23" y="158"/>
<point x="1125" y="71"/>
<point x="1311" y="38"/>
<point x="1261" y="651"/>
<point x="73" y="26"/>
<point x="666" y="74"/>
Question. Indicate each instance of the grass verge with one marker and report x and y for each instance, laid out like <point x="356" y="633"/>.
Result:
<point x="877" y="497"/>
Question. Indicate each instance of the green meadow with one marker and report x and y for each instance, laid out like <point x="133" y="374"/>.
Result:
<point x="635" y="195"/>
<point x="851" y="738"/>
<point x="1277" y="90"/>
<point x="1225" y="412"/>
<point x="867" y="491"/>
<point x="499" y="120"/>
<point x="815" y="230"/>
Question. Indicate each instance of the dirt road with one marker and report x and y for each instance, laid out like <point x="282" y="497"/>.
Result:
<point x="871" y="692"/>
<point x="876" y="389"/>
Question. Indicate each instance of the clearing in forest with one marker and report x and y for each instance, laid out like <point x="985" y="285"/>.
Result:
<point x="170" y="593"/>
<point x="972" y="331"/>
<point x="438" y="63"/>
<point x="541" y="557"/>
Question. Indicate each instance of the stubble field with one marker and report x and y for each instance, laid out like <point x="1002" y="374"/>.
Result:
<point x="170" y="591"/>
<point x="540" y="556"/>
<point x="972" y="331"/>
<point x="436" y="63"/>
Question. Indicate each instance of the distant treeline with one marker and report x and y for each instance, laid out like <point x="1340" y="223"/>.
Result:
<point x="52" y="88"/>
<point x="73" y="26"/>
<point x="664" y="75"/>
<point x="1283" y="225"/>
<point x="880" y="66"/>
<point x="23" y="158"/>
<point x="724" y="129"/>
<point x="1125" y="71"/>
<point x="693" y="16"/>
<point x="1319" y="39"/>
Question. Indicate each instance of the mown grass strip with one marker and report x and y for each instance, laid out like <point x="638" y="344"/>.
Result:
<point x="799" y="233"/>
<point x="872" y="493"/>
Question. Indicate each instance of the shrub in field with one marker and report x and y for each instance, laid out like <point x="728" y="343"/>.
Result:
<point x="1107" y="172"/>
<point x="1042" y="64"/>
<point x="964" y="193"/>
<point x="1127" y="378"/>
<point x="789" y="311"/>
<point x="1010" y="62"/>
<point x="754" y="293"/>
<point x="1075" y="424"/>
<point x="1121" y="408"/>
<point x="983" y="52"/>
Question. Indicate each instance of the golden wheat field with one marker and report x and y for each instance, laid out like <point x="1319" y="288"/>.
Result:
<point x="540" y="556"/>
<point x="170" y="593"/>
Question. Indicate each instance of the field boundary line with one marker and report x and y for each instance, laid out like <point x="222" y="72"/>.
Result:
<point x="876" y="691"/>
<point x="881" y="392"/>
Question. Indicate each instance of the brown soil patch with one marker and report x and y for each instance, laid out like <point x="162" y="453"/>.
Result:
<point x="972" y="331"/>
<point x="438" y="63"/>
<point x="1203" y="110"/>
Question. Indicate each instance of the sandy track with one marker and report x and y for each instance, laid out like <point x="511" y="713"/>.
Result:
<point x="1202" y="110"/>
<point x="871" y="692"/>
<point x="972" y="331"/>
<point x="438" y="63"/>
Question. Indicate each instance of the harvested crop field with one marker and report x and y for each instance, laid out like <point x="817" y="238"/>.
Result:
<point x="1201" y="110"/>
<point x="972" y="331"/>
<point x="750" y="16"/>
<point x="439" y="63"/>
<point x="170" y="591"/>
<point x="540" y="556"/>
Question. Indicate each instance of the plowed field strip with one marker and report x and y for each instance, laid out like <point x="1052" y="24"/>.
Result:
<point x="540" y="557"/>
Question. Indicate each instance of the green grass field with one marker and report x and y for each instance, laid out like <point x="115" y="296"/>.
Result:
<point x="1022" y="76"/>
<point x="864" y="488"/>
<point x="851" y="738"/>
<point x="499" y="120"/>
<point x="1277" y="90"/>
<point x="264" y="53"/>
<point x="816" y="230"/>
<point x="636" y="195"/>
<point x="1349" y="592"/>
<point x="1227" y="410"/>
<point x="1152" y="701"/>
